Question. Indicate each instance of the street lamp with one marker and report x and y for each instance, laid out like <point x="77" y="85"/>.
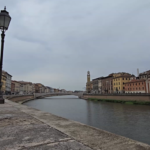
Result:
<point x="4" y="23"/>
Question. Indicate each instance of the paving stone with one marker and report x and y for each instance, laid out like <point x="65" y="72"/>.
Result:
<point x="24" y="128"/>
<point x="69" y="145"/>
<point x="28" y="135"/>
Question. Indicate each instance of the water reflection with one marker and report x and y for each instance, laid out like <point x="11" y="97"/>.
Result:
<point x="132" y="121"/>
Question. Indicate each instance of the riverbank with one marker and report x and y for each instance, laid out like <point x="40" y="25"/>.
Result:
<point x="22" y="127"/>
<point x="137" y="99"/>
<point x="120" y="101"/>
<point x="25" y="98"/>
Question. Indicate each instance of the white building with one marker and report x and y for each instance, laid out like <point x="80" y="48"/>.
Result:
<point x="27" y="87"/>
<point x="47" y="89"/>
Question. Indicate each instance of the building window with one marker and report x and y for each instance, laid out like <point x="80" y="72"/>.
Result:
<point x="123" y="78"/>
<point x="133" y="83"/>
<point x="136" y="88"/>
<point x="143" y="88"/>
<point x="126" y="78"/>
<point x="139" y="88"/>
<point x="139" y="83"/>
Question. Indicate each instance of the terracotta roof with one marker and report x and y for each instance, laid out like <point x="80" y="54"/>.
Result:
<point x="145" y="72"/>
<point x="25" y="82"/>
<point x="14" y="81"/>
<point x="123" y="75"/>
<point x="7" y="73"/>
<point x="134" y="80"/>
<point x="98" y="78"/>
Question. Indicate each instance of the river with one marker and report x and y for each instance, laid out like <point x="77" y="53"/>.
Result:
<point x="132" y="121"/>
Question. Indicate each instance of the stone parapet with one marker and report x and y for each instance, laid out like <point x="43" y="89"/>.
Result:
<point x="123" y="97"/>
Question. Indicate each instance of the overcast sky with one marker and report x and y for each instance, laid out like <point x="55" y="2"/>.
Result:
<point x="55" y="42"/>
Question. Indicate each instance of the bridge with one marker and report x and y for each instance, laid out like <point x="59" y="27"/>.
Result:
<point x="23" y="98"/>
<point x="39" y="95"/>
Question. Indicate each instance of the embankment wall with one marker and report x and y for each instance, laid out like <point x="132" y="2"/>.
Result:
<point x="21" y="98"/>
<point x="123" y="97"/>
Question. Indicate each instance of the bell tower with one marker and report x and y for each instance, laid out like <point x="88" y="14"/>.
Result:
<point x="88" y="76"/>
<point x="88" y="84"/>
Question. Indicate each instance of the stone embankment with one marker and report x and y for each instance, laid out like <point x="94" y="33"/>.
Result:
<point x="21" y="98"/>
<point x="25" y="128"/>
<point x="123" y="98"/>
<point x="24" y="98"/>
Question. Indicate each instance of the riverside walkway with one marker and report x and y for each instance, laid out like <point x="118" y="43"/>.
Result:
<point x="25" y="128"/>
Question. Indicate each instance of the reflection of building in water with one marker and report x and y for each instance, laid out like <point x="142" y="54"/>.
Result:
<point x="89" y="116"/>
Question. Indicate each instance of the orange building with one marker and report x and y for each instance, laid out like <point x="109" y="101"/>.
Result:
<point x="135" y="86"/>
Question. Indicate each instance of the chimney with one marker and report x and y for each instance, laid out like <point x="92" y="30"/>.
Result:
<point x="138" y="72"/>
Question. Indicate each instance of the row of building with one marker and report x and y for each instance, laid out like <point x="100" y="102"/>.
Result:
<point x="10" y="86"/>
<point x="121" y="82"/>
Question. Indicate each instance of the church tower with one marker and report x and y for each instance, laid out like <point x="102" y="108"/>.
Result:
<point x="88" y="84"/>
<point x="88" y="76"/>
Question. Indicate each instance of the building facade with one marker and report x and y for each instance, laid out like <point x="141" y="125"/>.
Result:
<point x="119" y="80"/>
<point x="136" y="86"/>
<point x="107" y="84"/>
<point x="8" y="82"/>
<point x="97" y="85"/>
<point x="51" y="90"/>
<point x="47" y="89"/>
<point x="41" y="88"/>
<point x="3" y="81"/>
<point x="147" y="82"/>
<point x="33" y="87"/>
<point x="37" y="88"/>
<point x="26" y="87"/>
<point x="12" y="88"/>
<point x="144" y="75"/>
<point x="17" y="86"/>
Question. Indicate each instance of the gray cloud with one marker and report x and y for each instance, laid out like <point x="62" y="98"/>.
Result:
<point x="56" y="42"/>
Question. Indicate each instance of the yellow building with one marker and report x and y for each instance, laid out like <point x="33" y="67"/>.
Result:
<point x="118" y="81"/>
<point x="3" y="80"/>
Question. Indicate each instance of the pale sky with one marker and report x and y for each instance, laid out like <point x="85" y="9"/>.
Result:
<point x="55" y="42"/>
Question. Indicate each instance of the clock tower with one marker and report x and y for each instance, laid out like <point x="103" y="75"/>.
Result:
<point x="88" y="83"/>
<point x="88" y="76"/>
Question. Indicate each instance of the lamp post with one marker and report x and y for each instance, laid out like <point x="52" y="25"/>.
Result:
<point x="4" y="23"/>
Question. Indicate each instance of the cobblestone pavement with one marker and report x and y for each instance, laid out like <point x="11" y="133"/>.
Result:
<point x="20" y="131"/>
<point x="25" y="128"/>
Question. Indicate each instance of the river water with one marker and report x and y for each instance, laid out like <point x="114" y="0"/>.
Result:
<point x="132" y="121"/>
